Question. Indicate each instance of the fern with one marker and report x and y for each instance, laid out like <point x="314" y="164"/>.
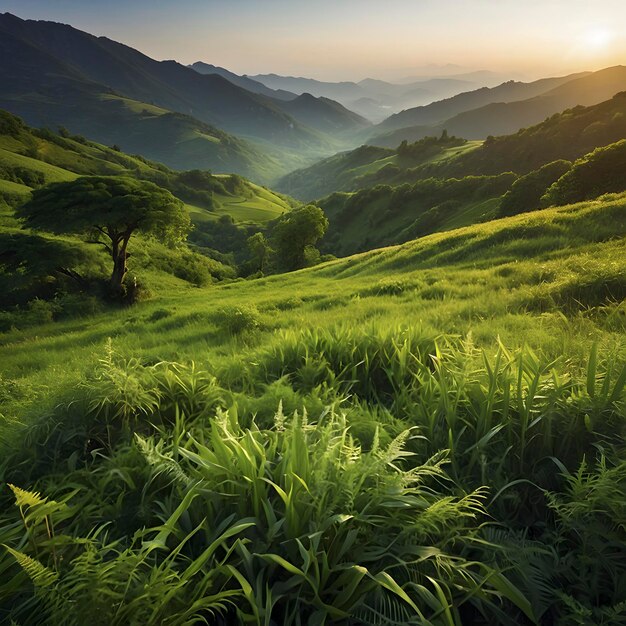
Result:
<point x="38" y="573"/>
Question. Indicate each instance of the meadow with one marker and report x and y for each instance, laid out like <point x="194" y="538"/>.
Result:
<point x="430" y="433"/>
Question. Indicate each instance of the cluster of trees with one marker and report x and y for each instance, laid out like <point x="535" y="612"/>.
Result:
<point x="389" y="211"/>
<point x="10" y="125"/>
<point x="602" y="171"/>
<point x="109" y="210"/>
<point x="527" y="191"/>
<point x="21" y="175"/>
<point x="290" y="242"/>
<point x="426" y="147"/>
<point x="561" y="182"/>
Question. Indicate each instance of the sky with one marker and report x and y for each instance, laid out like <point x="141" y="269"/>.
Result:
<point x="355" y="39"/>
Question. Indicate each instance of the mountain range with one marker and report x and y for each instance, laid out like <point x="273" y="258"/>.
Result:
<point x="113" y="93"/>
<point x="264" y="126"/>
<point x="373" y="99"/>
<point x="566" y="135"/>
<point x="501" y="110"/>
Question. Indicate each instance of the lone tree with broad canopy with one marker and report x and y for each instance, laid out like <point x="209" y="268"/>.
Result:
<point x="107" y="209"/>
<point x="295" y="235"/>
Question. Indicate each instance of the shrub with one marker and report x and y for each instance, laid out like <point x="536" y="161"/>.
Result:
<point x="238" y="319"/>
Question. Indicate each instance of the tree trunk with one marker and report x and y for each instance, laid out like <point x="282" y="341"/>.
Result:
<point x="119" y="266"/>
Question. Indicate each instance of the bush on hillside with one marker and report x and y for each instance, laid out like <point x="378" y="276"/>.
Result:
<point x="526" y="192"/>
<point x="599" y="172"/>
<point x="10" y="124"/>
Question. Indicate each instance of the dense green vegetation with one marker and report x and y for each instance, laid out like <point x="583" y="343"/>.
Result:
<point x="384" y="214"/>
<point x="369" y="165"/>
<point x="526" y="192"/>
<point x="601" y="171"/>
<point x="395" y="437"/>
<point x="206" y="417"/>
<point x="110" y="209"/>
<point x="225" y="209"/>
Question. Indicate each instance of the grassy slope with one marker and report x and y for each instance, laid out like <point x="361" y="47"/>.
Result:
<point x="363" y="167"/>
<point x="553" y="279"/>
<point x="567" y="135"/>
<point x="260" y="205"/>
<point x="253" y="204"/>
<point x="354" y="337"/>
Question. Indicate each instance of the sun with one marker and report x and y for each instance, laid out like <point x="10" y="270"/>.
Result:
<point x="597" y="38"/>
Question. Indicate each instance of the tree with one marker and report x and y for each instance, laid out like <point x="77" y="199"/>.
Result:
<point x="109" y="210"/>
<point x="260" y="249"/>
<point x="295" y="235"/>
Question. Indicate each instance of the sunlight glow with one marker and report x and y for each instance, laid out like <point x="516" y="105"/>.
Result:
<point x="598" y="38"/>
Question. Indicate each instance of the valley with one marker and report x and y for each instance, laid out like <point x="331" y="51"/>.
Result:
<point x="279" y="349"/>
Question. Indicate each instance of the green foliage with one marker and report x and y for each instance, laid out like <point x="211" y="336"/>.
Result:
<point x="601" y="171"/>
<point x="295" y="234"/>
<point x="114" y="204"/>
<point x="384" y="214"/>
<point x="427" y="147"/>
<point x="526" y="192"/>
<point x="22" y="176"/>
<point x="10" y="124"/>
<point x="109" y="207"/>
<point x="455" y="458"/>
<point x="235" y="320"/>
<point x="260" y="249"/>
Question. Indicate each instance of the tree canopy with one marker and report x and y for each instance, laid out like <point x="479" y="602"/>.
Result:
<point x="110" y="210"/>
<point x="295" y="235"/>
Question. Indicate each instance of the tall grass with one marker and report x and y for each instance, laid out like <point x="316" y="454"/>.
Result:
<point x="175" y="503"/>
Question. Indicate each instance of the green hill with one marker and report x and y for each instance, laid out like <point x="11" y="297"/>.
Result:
<point x="418" y="412"/>
<point x="378" y="196"/>
<point x="63" y="156"/>
<point x="223" y="208"/>
<point x="369" y="165"/>
<point x="115" y="94"/>
<point x="384" y="215"/>
<point x="567" y="135"/>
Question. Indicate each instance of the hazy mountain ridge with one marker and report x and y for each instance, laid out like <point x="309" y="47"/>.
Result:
<point x="54" y="60"/>
<point x="372" y="98"/>
<point x="242" y="81"/>
<point x="211" y="99"/>
<point x="501" y="118"/>
<point x="444" y="109"/>
<point x="47" y="92"/>
<point x="320" y="113"/>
